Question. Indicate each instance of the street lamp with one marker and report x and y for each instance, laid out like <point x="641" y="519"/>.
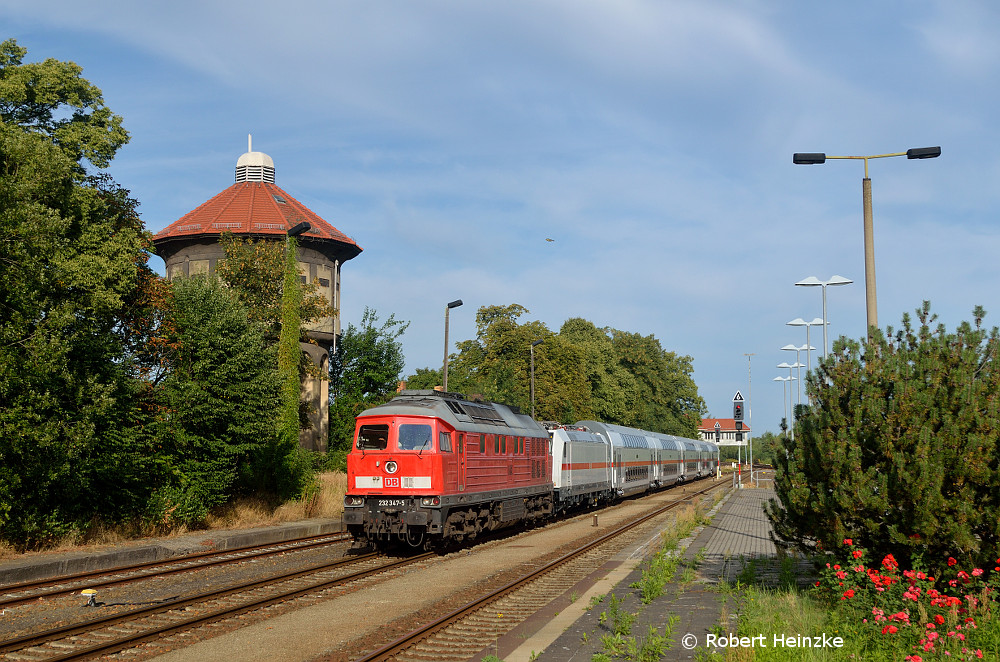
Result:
<point x="866" y="201"/>
<point x="812" y="281"/>
<point x="798" y="364"/>
<point x="454" y="304"/>
<point x="798" y="321"/>
<point x="790" y="366"/>
<point x="784" y="395"/>
<point x="532" y="348"/>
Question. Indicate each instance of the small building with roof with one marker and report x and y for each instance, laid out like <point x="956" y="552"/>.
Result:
<point x="254" y="206"/>
<point x="726" y="428"/>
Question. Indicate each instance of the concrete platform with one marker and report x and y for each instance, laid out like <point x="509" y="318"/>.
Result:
<point x="738" y="533"/>
<point x="46" y="565"/>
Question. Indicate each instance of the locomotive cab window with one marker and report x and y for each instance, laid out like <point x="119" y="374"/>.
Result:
<point x="444" y="442"/>
<point x="373" y="437"/>
<point x="413" y="437"/>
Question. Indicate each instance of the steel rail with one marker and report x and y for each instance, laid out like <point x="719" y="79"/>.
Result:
<point x="148" y="634"/>
<point x="150" y="568"/>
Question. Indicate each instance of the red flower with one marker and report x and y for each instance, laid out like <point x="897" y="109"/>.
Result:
<point x="848" y="542"/>
<point x="951" y="561"/>
<point x="890" y="629"/>
<point x="857" y="553"/>
<point x="939" y="619"/>
<point x="889" y="562"/>
<point x="849" y="593"/>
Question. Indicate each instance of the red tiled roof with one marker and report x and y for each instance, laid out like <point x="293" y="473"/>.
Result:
<point x="258" y="208"/>
<point x="725" y="425"/>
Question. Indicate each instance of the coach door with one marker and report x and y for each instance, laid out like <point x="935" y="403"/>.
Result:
<point x="461" y="462"/>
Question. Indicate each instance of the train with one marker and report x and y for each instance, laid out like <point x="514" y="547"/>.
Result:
<point x="431" y="469"/>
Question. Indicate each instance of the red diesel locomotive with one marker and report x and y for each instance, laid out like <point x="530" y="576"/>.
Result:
<point x="429" y="467"/>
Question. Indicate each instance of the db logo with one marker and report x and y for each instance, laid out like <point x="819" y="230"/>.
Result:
<point x="392" y="481"/>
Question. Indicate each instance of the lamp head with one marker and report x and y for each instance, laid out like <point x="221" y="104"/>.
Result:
<point x="808" y="158"/>
<point x="923" y="153"/>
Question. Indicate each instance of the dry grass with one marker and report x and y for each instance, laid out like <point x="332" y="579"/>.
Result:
<point x="327" y="501"/>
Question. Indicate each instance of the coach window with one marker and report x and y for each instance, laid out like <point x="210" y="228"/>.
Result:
<point x="373" y="437"/>
<point x="414" y="437"/>
<point x="444" y="442"/>
<point x="503" y="444"/>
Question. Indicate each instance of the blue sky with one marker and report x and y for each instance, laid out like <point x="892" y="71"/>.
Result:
<point x="652" y="141"/>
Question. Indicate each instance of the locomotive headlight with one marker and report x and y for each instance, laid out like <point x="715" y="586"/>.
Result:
<point x="390" y="467"/>
<point x="430" y="501"/>
<point x="353" y="501"/>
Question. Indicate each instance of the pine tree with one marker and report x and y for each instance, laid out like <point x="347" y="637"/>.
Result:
<point x="899" y="448"/>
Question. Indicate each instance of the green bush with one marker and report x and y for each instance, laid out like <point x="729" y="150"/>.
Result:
<point x="898" y="450"/>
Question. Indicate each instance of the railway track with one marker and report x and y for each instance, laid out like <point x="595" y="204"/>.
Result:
<point x="22" y="593"/>
<point x="106" y="635"/>
<point x="180" y="619"/>
<point x="461" y="634"/>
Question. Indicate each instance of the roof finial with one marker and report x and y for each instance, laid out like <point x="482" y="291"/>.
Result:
<point x="249" y="142"/>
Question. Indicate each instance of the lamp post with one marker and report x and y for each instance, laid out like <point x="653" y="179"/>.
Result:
<point x="444" y="378"/>
<point x="750" y="409"/>
<point x="803" y="158"/>
<point x="798" y="321"/>
<point x="532" y="348"/>
<point x="812" y="281"/>
<point x="799" y="365"/>
<point x="790" y="366"/>
<point x="784" y="394"/>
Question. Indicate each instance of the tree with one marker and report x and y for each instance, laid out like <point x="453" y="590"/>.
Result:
<point x="52" y="100"/>
<point x="766" y="448"/>
<point x="667" y="397"/>
<point x="614" y="393"/>
<point x="562" y="392"/>
<point x="216" y="430"/>
<point x="74" y="289"/>
<point x="256" y="270"/>
<point x="899" y="449"/>
<point x="260" y="273"/>
<point x="424" y="378"/>
<point x="364" y="372"/>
